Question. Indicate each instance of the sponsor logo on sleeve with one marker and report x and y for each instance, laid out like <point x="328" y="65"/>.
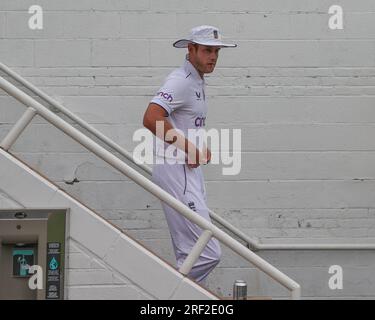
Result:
<point x="166" y="96"/>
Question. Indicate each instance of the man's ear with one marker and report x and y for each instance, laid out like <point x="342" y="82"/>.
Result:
<point x="192" y="47"/>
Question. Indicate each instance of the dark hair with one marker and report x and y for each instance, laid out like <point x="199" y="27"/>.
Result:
<point x="195" y="45"/>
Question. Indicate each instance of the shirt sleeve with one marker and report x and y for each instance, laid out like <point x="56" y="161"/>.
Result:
<point x="172" y="95"/>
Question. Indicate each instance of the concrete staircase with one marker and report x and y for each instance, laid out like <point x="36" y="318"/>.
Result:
<point x="102" y="261"/>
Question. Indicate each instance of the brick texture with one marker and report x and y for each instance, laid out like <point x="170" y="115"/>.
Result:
<point x="302" y="94"/>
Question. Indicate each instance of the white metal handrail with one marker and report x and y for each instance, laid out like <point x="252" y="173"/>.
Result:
<point x="252" y="244"/>
<point x="209" y="228"/>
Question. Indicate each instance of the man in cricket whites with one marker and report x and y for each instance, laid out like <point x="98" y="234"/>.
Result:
<point x="178" y="107"/>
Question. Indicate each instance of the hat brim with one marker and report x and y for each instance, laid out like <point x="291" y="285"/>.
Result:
<point x="183" y="43"/>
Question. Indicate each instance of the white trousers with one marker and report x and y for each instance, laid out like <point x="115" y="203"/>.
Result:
<point x="187" y="185"/>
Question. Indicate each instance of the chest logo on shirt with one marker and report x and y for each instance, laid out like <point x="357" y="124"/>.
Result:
<point x="198" y="94"/>
<point x="166" y="96"/>
<point x="200" y="121"/>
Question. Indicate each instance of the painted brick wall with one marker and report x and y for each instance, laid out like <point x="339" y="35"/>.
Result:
<point x="88" y="277"/>
<point x="303" y="95"/>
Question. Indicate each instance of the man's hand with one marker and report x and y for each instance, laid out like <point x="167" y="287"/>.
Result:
<point x="203" y="157"/>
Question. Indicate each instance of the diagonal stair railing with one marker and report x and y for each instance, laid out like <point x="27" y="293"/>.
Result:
<point x="251" y="243"/>
<point x="210" y="230"/>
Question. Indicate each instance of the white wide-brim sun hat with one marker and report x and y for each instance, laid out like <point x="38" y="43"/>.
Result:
<point x="204" y="35"/>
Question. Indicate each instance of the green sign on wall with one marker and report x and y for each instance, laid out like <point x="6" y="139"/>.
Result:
<point x="23" y="259"/>
<point x="55" y="256"/>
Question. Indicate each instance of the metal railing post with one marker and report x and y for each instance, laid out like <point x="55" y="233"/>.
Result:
<point x="195" y="252"/>
<point x="18" y="128"/>
<point x="296" y="293"/>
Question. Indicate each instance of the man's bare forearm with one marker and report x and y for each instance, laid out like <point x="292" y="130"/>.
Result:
<point x="169" y="134"/>
<point x="163" y="129"/>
